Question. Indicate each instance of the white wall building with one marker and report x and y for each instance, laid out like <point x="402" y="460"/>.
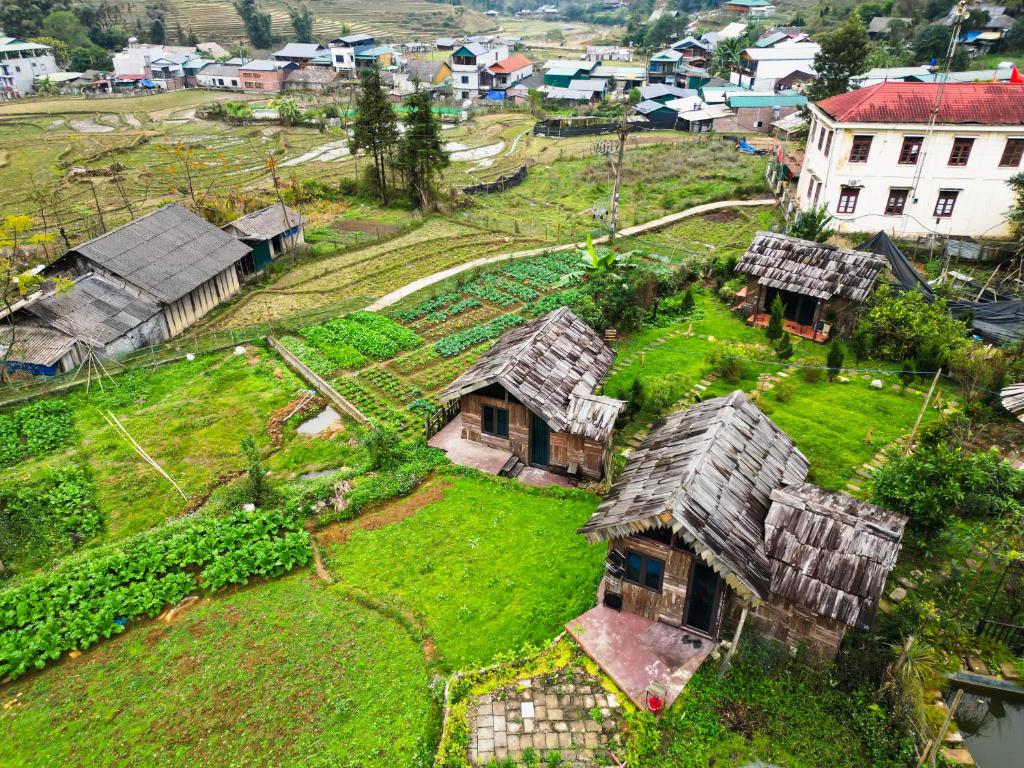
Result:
<point x="343" y="51"/>
<point x="873" y="161"/>
<point x="21" y="63"/>
<point x="470" y="63"/>
<point x="761" y="68"/>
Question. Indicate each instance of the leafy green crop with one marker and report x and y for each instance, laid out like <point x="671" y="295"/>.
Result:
<point x="37" y="429"/>
<point x="452" y="345"/>
<point x="93" y="594"/>
<point x="348" y="341"/>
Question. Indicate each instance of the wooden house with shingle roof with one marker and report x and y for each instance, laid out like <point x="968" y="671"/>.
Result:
<point x="821" y="286"/>
<point x="1013" y="399"/>
<point x="711" y="515"/>
<point x="532" y="394"/>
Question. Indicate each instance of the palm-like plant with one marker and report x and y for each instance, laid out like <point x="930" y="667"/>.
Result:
<point x="726" y="56"/>
<point x="597" y="261"/>
<point x="814" y="224"/>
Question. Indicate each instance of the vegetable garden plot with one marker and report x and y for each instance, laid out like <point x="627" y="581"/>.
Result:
<point x="350" y="341"/>
<point x="35" y="430"/>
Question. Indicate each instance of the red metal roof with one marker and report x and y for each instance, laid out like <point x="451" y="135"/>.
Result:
<point x="961" y="103"/>
<point x="511" y="64"/>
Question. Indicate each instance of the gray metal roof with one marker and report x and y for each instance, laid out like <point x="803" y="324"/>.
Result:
<point x="830" y="552"/>
<point x="660" y="89"/>
<point x="301" y="51"/>
<point x="707" y="472"/>
<point x="219" y="70"/>
<point x="550" y="364"/>
<point x="166" y="253"/>
<point x="34" y="345"/>
<point x="262" y="65"/>
<point x="93" y="310"/>
<point x="267" y="222"/>
<point x="810" y="269"/>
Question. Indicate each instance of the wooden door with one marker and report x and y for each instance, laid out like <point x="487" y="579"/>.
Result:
<point x="540" y="441"/>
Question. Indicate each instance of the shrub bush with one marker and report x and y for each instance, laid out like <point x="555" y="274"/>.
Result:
<point x="902" y="326"/>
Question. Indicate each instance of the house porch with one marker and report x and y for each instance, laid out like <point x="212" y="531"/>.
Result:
<point x="803" y="331"/>
<point x="469" y="453"/>
<point x="636" y="652"/>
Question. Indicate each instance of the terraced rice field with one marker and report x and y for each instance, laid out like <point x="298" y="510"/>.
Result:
<point x="396" y="19"/>
<point x="365" y="274"/>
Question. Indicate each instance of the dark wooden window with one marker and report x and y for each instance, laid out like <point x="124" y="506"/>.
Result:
<point x="660" y="535"/>
<point x="896" y="202"/>
<point x="848" y="199"/>
<point x="645" y="570"/>
<point x="944" y="205"/>
<point x="961" y="151"/>
<point x="821" y="136"/>
<point x="494" y="421"/>
<point x="861" y="149"/>
<point x="910" y="150"/>
<point x="1012" y="153"/>
<point x="828" y="142"/>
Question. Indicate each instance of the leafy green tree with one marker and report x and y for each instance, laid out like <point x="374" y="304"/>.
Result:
<point x="421" y="152"/>
<point x="932" y="42"/>
<point x="375" y="128"/>
<point x="903" y="324"/>
<point x="90" y="57"/>
<point x="726" y="56"/>
<point x="814" y="224"/>
<point x="843" y="55"/>
<point x="1014" y="40"/>
<point x="157" y="25"/>
<point x="257" y="23"/>
<point x="61" y="50"/>
<point x="776" y="328"/>
<point x="634" y="96"/>
<point x="288" y="110"/>
<point x="861" y="342"/>
<point x="65" y="26"/>
<point x="907" y="374"/>
<point x="834" y="360"/>
<point x="302" y="22"/>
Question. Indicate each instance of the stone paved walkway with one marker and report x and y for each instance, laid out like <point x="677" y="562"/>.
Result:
<point x="567" y="711"/>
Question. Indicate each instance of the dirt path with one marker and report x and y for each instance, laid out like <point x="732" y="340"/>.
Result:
<point x="425" y="282"/>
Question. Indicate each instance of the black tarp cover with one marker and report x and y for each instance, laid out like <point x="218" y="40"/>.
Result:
<point x="1000" y="322"/>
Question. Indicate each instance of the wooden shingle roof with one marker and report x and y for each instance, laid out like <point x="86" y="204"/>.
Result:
<point x="830" y="552"/>
<point x="1013" y="399"/>
<point x="810" y="269"/>
<point x="552" y="365"/>
<point x="708" y="473"/>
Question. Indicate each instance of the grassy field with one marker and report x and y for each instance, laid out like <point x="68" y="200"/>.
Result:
<point x="190" y="417"/>
<point x="285" y="673"/>
<point x="294" y="673"/>
<point x="485" y="568"/>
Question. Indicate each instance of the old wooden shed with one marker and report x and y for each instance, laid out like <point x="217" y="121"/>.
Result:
<point x="532" y="394"/>
<point x="712" y="515"/>
<point x="821" y="286"/>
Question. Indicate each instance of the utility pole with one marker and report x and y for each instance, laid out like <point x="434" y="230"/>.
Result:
<point x="614" y="216"/>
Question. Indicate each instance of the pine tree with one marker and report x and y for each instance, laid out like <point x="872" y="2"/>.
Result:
<point x="834" y="361"/>
<point x="375" y="128"/>
<point x="776" y="329"/>
<point x="257" y="23"/>
<point x="421" y="152"/>
<point x="784" y="347"/>
<point x="844" y="54"/>
<point x="302" y="23"/>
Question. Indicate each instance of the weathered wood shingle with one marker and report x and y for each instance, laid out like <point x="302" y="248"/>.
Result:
<point x="1013" y="399"/>
<point x="707" y="472"/>
<point x="552" y="365"/>
<point x="830" y="552"/>
<point x="810" y="269"/>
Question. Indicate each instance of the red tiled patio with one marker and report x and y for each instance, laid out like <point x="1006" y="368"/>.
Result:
<point x="467" y="453"/>
<point x="803" y="331"/>
<point x="636" y="652"/>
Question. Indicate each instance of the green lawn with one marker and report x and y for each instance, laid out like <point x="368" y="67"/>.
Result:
<point x="285" y="673"/>
<point x="486" y="568"/>
<point x="839" y="427"/>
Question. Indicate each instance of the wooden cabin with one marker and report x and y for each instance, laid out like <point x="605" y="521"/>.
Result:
<point x="170" y="257"/>
<point x="711" y="516"/>
<point x="821" y="286"/>
<point x="269" y="232"/>
<point x="532" y="394"/>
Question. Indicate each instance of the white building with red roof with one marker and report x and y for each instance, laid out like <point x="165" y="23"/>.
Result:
<point x="877" y="160"/>
<point x="509" y="71"/>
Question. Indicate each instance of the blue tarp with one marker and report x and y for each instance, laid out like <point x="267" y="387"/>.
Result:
<point x="744" y="147"/>
<point x="147" y="84"/>
<point x="496" y="95"/>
